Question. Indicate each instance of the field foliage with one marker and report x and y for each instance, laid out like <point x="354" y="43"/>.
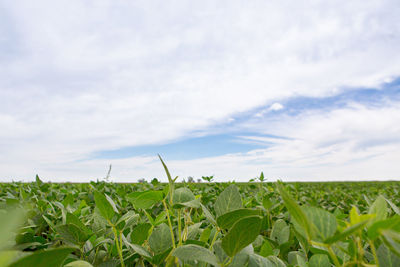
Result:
<point x="200" y="224"/>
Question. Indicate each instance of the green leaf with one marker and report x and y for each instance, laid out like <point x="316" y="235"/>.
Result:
<point x="8" y="256"/>
<point x="72" y="219"/>
<point x="146" y="199"/>
<point x="109" y="199"/>
<point x="205" y="235"/>
<point x="387" y="258"/>
<point x="379" y="207"/>
<point x="295" y="211"/>
<point x="51" y="257"/>
<point x="136" y="249"/>
<point x="280" y="232"/>
<point x="38" y="181"/>
<point x="275" y="260"/>
<point x="78" y="264"/>
<point x="183" y="197"/>
<point x="392" y="240"/>
<point x="393" y="206"/>
<point x="266" y="249"/>
<point x="319" y="260"/>
<point x="160" y="239"/>
<point x="9" y="223"/>
<point x="227" y="220"/>
<point x="375" y="229"/>
<point x="139" y="250"/>
<point x="128" y="219"/>
<point x="195" y="253"/>
<point x="208" y="215"/>
<point x="72" y="234"/>
<point x="243" y="233"/>
<point x="170" y="181"/>
<point x="259" y="261"/>
<point x="228" y="200"/>
<point x="140" y="233"/>
<point x="297" y="258"/>
<point x="103" y="205"/>
<point x="341" y="236"/>
<point x="324" y="221"/>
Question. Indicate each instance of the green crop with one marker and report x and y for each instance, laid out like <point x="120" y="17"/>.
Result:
<point x="200" y="224"/>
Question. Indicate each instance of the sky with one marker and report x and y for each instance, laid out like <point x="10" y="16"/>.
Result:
<point x="301" y="90"/>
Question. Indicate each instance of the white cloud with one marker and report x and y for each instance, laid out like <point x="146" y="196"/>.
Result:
<point x="89" y="76"/>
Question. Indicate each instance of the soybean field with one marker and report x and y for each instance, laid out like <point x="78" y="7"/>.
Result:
<point x="258" y="223"/>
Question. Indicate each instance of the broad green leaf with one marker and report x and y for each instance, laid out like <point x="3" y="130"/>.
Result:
<point x="103" y="205"/>
<point x="139" y="250"/>
<point x="208" y="215"/>
<point x="280" y="232"/>
<point x="391" y="223"/>
<point x="79" y="263"/>
<point x="259" y="261"/>
<point x="276" y="261"/>
<point x="146" y="199"/>
<point x="136" y="248"/>
<point x="72" y="234"/>
<point x="341" y="236"/>
<point x="219" y="251"/>
<point x="266" y="249"/>
<point x="267" y="203"/>
<point x="193" y="231"/>
<point x="128" y="219"/>
<point x="140" y="233"/>
<point x="319" y="260"/>
<point x="182" y="195"/>
<point x="228" y="200"/>
<point x="392" y="240"/>
<point x="8" y="256"/>
<point x="195" y="253"/>
<point x="379" y="207"/>
<point x="227" y="220"/>
<point x="242" y="233"/>
<point x="9" y="223"/>
<point x="242" y="258"/>
<point x="295" y="211"/>
<point x="160" y="239"/>
<point x="72" y="219"/>
<point x="297" y="258"/>
<point x="51" y="257"/>
<point x="387" y="258"/>
<point x="205" y="235"/>
<point x="324" y="221"/>
<point x="158" y="259"/>
<point x="109" y="199"/>
<point x="356" y="218"/>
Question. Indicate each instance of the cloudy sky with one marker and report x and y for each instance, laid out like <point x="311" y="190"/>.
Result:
<point x="302" y="90"/>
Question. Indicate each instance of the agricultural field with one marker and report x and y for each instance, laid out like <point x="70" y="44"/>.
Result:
<point x="200" y="224"/>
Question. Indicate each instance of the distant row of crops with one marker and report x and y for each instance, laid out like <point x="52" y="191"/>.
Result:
<point x="208" y="224"/>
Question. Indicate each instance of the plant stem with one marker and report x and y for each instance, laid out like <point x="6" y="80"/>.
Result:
<point x="371" y="244"/>
<point x="118" y="247"/>
<point x="214" y="238"/>
<point x="169" y="223"/>
<point x="228" y="262"/>
<point x="179" y="227"/>
<point x="330" y="251"/>
<point x="333" y="256"/>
